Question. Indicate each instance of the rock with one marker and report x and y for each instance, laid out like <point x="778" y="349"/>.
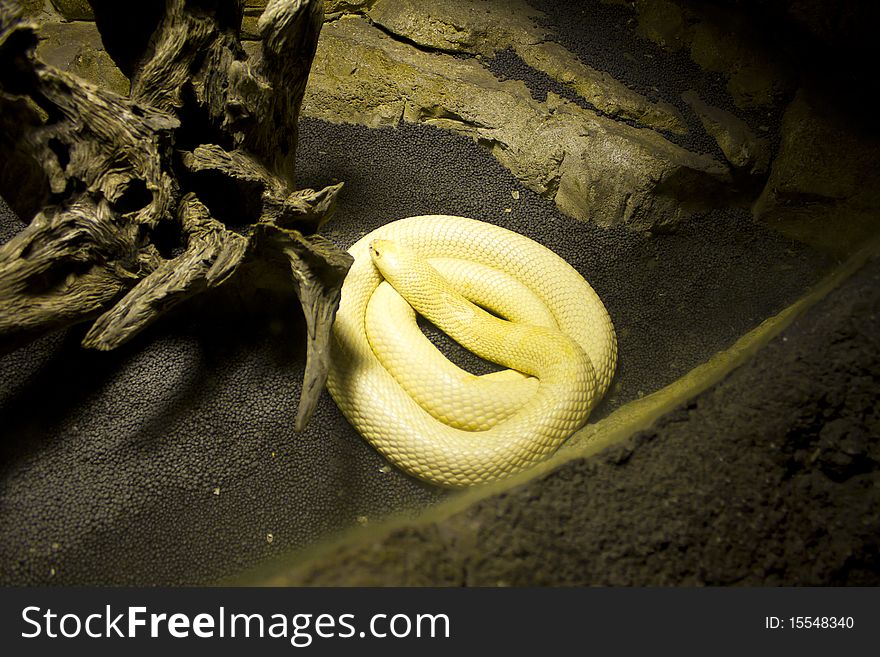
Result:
<point x="478" y="28"/>
<point x="824" y="182"/>
<point x="594" y="167"/>
<point x="467" y="26"/>
<point x="663" y="22"/>
<point x="484" y="28"/>
<point x="32" y="8"/>
<point x="253" y="9"/>
<point x="742" y="148"/>
<point x="722" y="41"/>
<point x="77" y="48"/>
<point x="612" y="173"/>
<point x="333" y="8"/>
<point x="75" y="10"/>
<point x="755" y="78"/>
<point x="602" y="91"/>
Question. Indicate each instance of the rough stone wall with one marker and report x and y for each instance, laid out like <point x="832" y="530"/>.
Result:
<point x="557" y="148"/>
<point x="603" y="151"/>
<point x="607" y="157"/>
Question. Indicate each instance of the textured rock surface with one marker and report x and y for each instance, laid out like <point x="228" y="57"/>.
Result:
<point x="558" y="149"/>
<point x="740" y="145"/>
<point x="77" y="48"/>
<point x="596" y="169"/>
<point x="74" y="10"/>
<point x="824" y="186"/>
<point x="721" y="41"/>
<point x="34" y="8"/>
<point x="770" y="478"/>
<point x="485" y="27"/>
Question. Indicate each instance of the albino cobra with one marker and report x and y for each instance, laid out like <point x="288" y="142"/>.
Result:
<point x="425" y="414"/>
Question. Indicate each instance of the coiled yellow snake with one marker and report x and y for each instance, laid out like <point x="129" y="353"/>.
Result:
<point x="425" y="414"/>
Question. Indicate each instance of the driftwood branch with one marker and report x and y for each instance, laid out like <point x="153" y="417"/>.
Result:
<point x="139" y="203"/>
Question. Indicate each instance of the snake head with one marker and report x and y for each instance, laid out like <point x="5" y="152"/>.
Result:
<point x="411" y="275"/>
<point x="385" y="255"/>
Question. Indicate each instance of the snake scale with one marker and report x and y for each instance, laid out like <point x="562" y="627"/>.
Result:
<point x="426" y="415"/>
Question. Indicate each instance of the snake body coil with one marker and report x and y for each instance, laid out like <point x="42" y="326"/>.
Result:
<point x="426" y="415"/>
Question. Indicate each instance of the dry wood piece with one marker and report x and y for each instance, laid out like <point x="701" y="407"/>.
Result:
<point x="140" y="203"/>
